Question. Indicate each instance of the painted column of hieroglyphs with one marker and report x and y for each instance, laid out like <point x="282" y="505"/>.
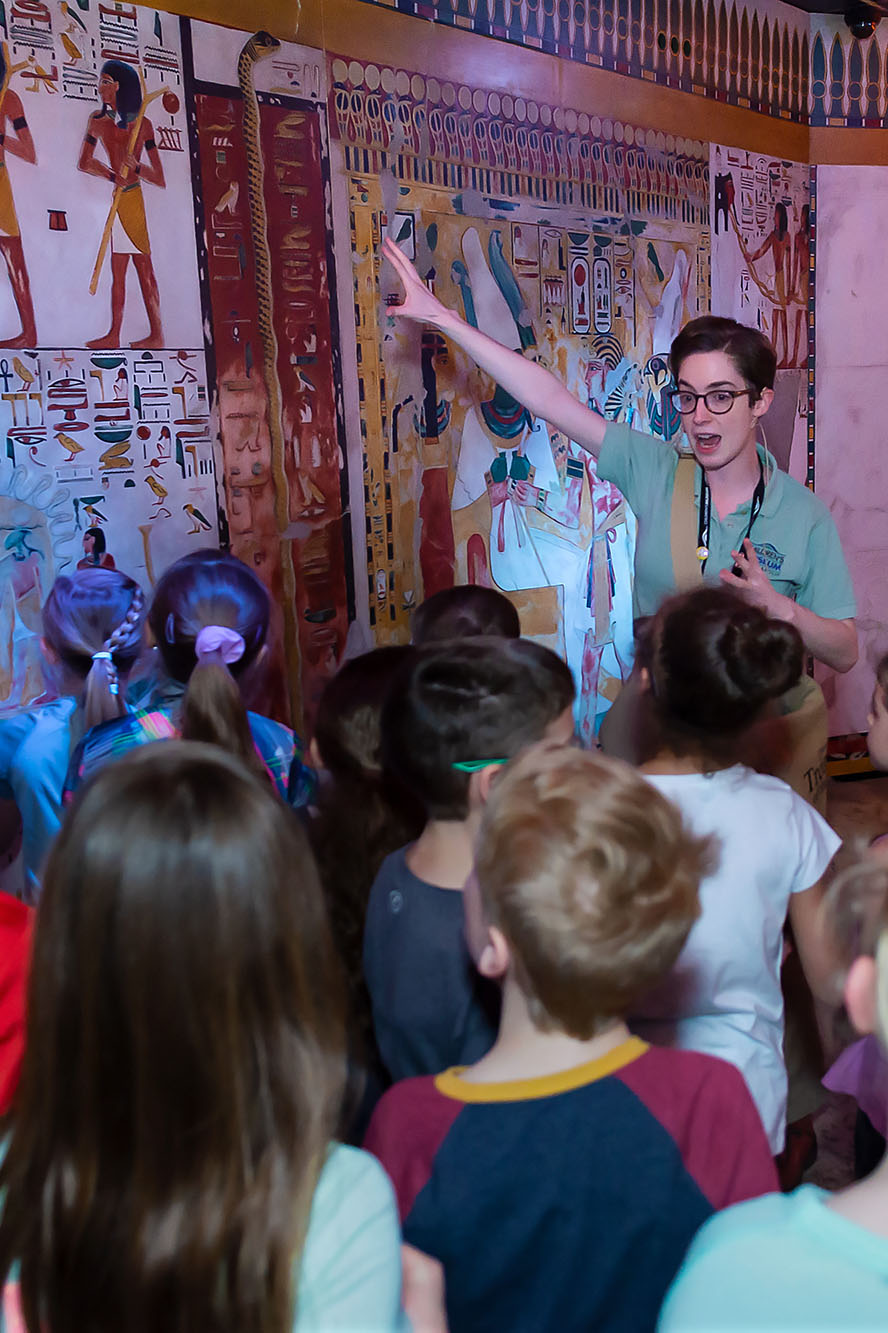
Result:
<point x="105" y="446"/>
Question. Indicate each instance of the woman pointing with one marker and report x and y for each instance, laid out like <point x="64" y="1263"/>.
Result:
<point x="731" y="516"/>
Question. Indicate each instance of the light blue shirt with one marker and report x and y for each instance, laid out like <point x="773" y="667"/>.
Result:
<point x="35" y="748"/>
<point x="780" y="1263"/>
<point x="350" y="1276"/>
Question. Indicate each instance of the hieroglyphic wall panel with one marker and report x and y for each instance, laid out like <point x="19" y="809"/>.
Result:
<point x="285" y="514"/>
<point x="583" y="241"/>
<point x="104" y="401"/>
<point x="749" y="55"/>
<point x="761" y="259"/>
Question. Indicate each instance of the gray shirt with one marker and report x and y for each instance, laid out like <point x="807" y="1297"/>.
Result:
<point x="431" y="1009"/>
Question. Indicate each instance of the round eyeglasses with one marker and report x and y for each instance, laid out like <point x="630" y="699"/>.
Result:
<point x="718" y="401"/>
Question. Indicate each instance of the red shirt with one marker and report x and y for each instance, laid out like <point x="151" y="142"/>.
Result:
<point x="16" y="924"/>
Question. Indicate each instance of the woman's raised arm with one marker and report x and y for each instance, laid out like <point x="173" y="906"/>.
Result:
<point x="536" y="388"/>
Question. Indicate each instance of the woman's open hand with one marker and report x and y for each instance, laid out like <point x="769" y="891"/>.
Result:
<point x="418" y="302"/>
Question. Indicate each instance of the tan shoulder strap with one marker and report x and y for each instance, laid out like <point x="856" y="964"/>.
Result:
<point x="683" y="527"/>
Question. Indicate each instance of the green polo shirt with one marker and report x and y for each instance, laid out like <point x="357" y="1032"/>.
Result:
<point x="794" y="535"/>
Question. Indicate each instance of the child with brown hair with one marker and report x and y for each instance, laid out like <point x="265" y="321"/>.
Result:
<point x="459" y="711"/>
<point x="362" y="812"/>
<point x="210" y="619"/>
<point x="710" y="662"/>
<point x="560" y="1178"/>
<point x="362" y="815"/>
<point x="170" y="1163"/>
<point x="463" y="612"/>
<point x="92" y="637"/>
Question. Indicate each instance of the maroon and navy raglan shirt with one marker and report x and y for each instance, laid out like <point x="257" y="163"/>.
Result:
<point x="565" y="1204"/>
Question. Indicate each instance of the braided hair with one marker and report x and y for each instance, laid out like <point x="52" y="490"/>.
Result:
<point x="92" y="620"/>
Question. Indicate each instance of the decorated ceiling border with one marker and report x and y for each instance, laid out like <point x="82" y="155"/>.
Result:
<point x="734" y="53"/>
<point x="849" y="78"/>
<point x="462" y="138"/>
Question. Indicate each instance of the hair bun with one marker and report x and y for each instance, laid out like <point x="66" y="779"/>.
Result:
<point x="763" y="657"/>
<point x="714" y="661"/>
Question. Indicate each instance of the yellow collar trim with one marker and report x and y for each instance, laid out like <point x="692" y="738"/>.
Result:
<point x="452" y="1084"/>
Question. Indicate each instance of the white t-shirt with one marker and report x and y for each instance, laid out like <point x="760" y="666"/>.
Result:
<point x="723" y="996"/>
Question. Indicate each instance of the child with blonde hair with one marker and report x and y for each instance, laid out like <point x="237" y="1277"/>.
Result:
<point x="560" y="1178"/>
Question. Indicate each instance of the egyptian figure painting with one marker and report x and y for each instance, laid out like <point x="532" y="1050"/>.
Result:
<point x="105" y="433"/>
<point x="584" y="247"/>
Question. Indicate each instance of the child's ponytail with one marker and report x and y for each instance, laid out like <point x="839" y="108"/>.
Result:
<point x="212" y="709"/>
<point x="210" y="616"/>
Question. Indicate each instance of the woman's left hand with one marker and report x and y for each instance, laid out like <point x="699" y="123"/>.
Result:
<point x="753" y="582"/>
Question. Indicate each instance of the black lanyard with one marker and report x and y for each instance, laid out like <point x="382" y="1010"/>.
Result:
<point x="758" y="496"/>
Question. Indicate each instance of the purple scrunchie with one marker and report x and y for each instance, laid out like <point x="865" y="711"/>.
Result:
<point x="219" y="639"/>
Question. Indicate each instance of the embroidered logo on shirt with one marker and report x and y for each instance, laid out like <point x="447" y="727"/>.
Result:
<point x="396" y="901"/>
<point x="770" y="559"/>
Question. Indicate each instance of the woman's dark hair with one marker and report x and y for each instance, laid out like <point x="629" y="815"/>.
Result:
<point x="129" y="90"/>
<point x="463" y="612"/>
<point x="202" y="589"/>
<point x="184" y="1057"/>
<point x="781" y="219"/>
<point x="100" y="546"/>
<point x="363" y="812"/>
<point x="472" y="700"/>
<point x="714" y="661"/>
<point x="750" y="351"/>
<point x="96" y="611"/>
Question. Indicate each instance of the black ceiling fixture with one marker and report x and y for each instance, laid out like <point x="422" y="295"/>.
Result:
<point x="861" y="18"/>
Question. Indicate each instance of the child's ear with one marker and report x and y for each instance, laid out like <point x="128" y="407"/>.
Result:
<point x="49" y="653"/>
<point x="314" y="754"/>
<point x="861" y="994"/>
<point x="644" y="680"/>
<point x="493" y="960"/>
<point x="485" y="779"/>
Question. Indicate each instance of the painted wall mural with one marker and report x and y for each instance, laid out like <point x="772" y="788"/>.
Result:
<point x="260" y="120"/>
<point x="170" y="367"/>
<point x="761" y="261"/>
<point x="591" y="269"/>
<point x="105" y="429"/>
<point x="154" y="215"/>
<point x="760" y="245"/>
<point x="750" y="55"/>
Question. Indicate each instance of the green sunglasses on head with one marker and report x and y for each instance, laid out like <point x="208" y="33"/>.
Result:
<point x="473" y="765"/>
